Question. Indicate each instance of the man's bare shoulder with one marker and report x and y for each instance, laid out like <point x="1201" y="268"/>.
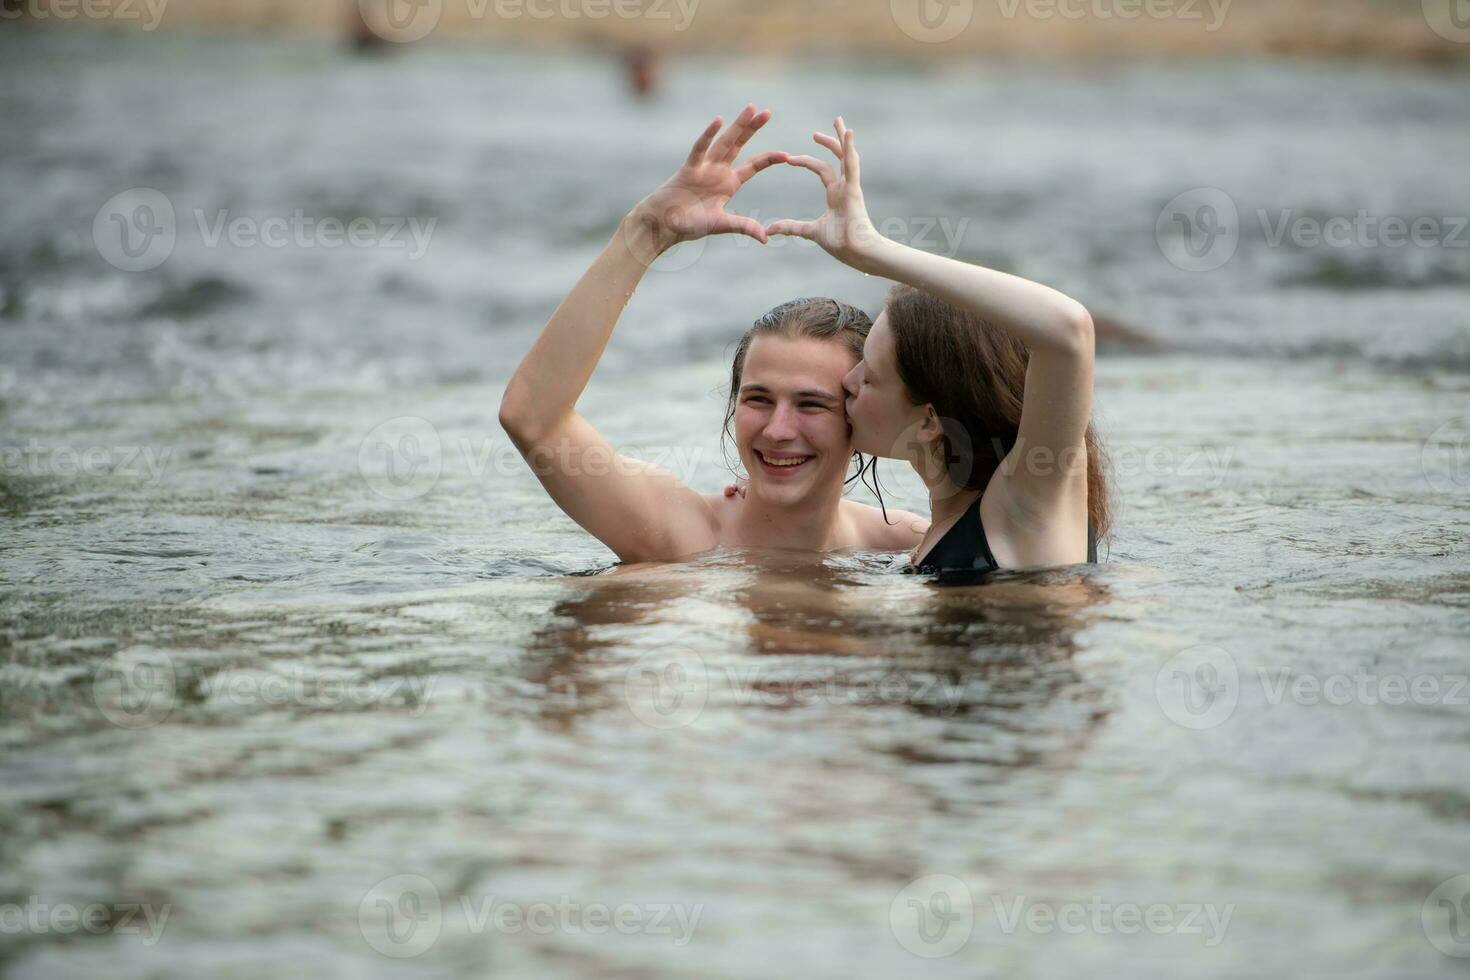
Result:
<point x="901" y="531"/>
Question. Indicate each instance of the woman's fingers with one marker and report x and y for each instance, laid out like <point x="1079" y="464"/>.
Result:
<point x="850" y="162"/>
<point x="701" y="145"/>
<point x="758" y="163"/>
<point x="826" y="139"/>
<point x="821" y="169"/>
<point x="843" y="147"/>
<point x="793" y="228"/>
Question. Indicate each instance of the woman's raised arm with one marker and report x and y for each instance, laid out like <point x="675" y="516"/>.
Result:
<point x="1056" y="329"/>
<point x="640" y="512"/>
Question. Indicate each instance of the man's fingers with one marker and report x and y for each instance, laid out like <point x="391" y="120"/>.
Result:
<point x="701" y="145"/>
<point x="756" y="164"/>
<point x="747" y="133"/>
<point x="818" y="167"/>
<point x="739" y="224"/>
<point x="721" y="152"/>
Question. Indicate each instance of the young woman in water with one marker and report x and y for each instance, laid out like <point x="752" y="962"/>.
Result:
<point x="981" y="380"/>
<point x="786" y="400"/>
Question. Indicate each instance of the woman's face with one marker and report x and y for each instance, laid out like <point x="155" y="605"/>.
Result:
<point x="884" y="422"/>
<point x="789" y="423"/>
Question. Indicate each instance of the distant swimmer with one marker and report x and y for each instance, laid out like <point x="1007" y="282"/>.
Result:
<point x="643" y="71"/>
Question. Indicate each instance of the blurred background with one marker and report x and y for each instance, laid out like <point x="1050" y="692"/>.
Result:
<point x="301" y="671"/>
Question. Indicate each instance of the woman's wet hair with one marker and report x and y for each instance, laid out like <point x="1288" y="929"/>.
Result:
<point x="974" y="375"/>
<point x="816" y="318"/>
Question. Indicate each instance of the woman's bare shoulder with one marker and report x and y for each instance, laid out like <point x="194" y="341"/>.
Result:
<point x="901" y="531"/>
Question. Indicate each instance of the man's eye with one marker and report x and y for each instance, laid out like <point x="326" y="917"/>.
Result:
<point x="757" y="400"/>
<point x="817" y="405"/>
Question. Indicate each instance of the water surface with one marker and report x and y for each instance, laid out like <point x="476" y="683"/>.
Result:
<point x="251" y="677"/>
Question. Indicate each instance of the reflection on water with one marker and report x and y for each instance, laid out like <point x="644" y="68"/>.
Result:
<point x="785" y="632"/>
<point x="326" y="723"/>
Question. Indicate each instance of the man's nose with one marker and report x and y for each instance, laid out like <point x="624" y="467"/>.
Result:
<point x="782" y="425"/>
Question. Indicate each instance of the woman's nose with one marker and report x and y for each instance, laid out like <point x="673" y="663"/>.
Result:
<point x="850" y="382"/>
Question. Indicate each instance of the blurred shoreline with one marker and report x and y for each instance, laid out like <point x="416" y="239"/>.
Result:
<point x="1393" y="30"/>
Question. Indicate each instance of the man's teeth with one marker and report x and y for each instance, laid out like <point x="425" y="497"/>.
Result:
<point x="785" y="462"/>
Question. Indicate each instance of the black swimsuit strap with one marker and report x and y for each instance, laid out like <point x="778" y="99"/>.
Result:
<point x="965" y="547"/>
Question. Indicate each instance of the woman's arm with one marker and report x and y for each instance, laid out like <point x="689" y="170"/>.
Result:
<point x="1056" y="329"/>
<point x="640" y="512"/>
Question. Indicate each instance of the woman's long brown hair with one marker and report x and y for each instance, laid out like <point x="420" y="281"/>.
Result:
<point x="974" y="375"/>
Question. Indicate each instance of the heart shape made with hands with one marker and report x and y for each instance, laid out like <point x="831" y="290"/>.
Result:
<point x="692" y="203"/>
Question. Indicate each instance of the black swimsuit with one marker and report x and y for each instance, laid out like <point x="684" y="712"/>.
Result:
<point x="964" y="547"/>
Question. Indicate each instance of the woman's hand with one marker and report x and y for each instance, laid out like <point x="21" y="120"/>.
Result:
<point x="845" y="231"/>
<point x="691" y="204"/>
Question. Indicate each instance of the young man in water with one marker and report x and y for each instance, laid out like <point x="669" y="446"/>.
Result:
<point x="790" y="425"/>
